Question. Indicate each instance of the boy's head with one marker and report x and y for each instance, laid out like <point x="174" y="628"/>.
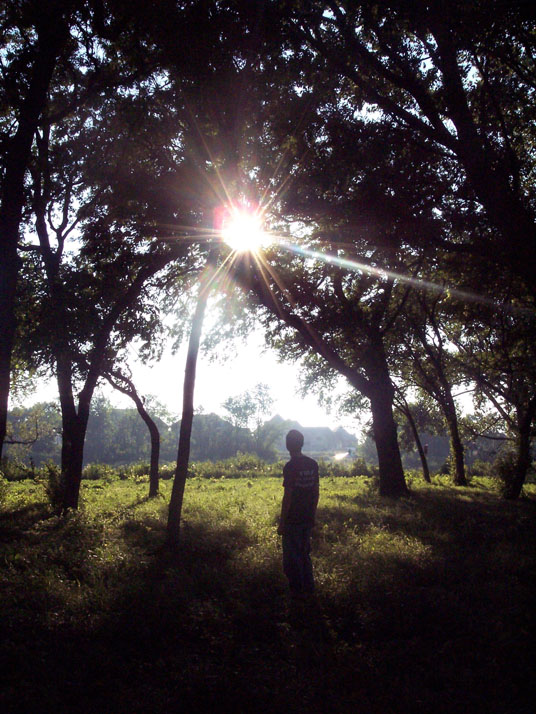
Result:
<point x="294" y="441"/>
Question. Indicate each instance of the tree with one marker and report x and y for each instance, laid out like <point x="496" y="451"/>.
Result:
<point x="247" y="411"/>
<point x="93" y="302"/>
<point x="496" y="351"/>
<point x="407" y="442"/>
<point x="430" y="365"/>
<point x="34" y="41"/>
<point x="460" y="83"/>
<point x="56" y="58"/>
<point x="125" y="385"/>
<point x="323" y="317"/>
<point x="345" y="288"/>
<point x="183" y="455"/>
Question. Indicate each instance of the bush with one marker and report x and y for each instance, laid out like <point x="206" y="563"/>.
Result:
<point x="445" y="469"/>
<point x="92" y="472"/>
<point x="505" y="464"/>
<point x="358" y="467"/>
<point x="133" y="471"/>
<point x="15" y="470"/>
<point x="167" y="471"/>
<point x="54" y="486"/>
<point x="480" y="469"/>
<point x="3" y="489"/>
<point x="239" y="466"/>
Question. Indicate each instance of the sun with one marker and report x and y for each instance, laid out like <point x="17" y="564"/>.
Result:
<point x="242" y="231"/>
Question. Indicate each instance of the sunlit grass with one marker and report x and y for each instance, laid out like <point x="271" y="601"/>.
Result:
<point x="401" y="585"/>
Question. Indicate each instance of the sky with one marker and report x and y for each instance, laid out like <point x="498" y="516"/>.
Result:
<point x="217" y="380"/>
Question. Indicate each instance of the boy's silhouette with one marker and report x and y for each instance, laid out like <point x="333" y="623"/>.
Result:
<point x="298" y="510"/>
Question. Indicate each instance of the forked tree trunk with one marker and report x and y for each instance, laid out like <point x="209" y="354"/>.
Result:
<point x="74" y="427"/>
<point x="72" y="457"/>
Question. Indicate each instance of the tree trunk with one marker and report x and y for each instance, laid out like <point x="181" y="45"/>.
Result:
<point x="51" y="38"/>
<point x="418" y="443"/>
<point x="523" y="458"/>
<point x="74" y="426"/>
<point x="155" y="447"/>
<point x="183" y="455"/>
<point x="381" y="394"/>
<point x="72" y="457"/>
<point x="392" y="481"/>
<point x="125" y="385"/>
<point x="8" y="286"/>
<point x="456" y="446"/>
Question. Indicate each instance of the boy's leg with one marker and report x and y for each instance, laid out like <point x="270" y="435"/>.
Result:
<point x="307" y="578"/>
<point x="292" y="558"/>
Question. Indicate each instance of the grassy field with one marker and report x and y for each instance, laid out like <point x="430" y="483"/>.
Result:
<point x="423" y="605"/>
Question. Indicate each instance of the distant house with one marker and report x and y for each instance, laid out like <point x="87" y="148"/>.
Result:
<point x="318" y="439"/>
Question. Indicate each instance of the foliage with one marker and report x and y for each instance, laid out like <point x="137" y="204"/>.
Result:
<point x="504" y="465"/>
<point x="54" y="485"/>
<point x="481" y="469"/>
<point x="3" y="488"/>
<point x="357" y="467"/>
<point x="443" y="577"/>
<point x="92" y="472"/>
<point x="240" y="466"/>
<point x="16" y="470"/>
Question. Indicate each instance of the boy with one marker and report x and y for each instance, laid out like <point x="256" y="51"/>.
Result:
<point x="298" y="510"/>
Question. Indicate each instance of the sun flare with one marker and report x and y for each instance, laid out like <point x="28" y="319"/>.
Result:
<point x="243" y="232"/>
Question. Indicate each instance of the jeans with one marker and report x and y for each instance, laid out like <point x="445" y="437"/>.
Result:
<point x="296" y="559"/>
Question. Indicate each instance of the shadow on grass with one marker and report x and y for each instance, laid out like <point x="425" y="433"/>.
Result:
<point x="14" y="521"/>
<point x="210" y="629"/>
<point x="439" y="590"/>
<point x="193" y="631"/>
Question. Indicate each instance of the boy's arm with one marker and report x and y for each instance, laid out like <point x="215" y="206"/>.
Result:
<point x="315" y="500"/>
<point x="285" y="507"/>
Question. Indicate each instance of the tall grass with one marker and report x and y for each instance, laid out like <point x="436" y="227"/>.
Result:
<point x="423" y="605"/>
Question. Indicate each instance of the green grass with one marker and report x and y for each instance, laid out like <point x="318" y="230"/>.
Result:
<point x="423" y="605"/>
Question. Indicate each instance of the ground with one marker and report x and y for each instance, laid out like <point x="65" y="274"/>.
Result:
<point x="423" y="604"/>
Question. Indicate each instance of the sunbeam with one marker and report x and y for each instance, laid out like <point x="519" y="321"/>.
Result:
<point x="383" y="273"/>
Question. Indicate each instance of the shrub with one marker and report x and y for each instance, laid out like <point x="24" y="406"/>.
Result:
<point x="360" y="467"/>
<point x="480" y="469"/>
<point x="445" y="469"/>
<point x="505" y="464"/>
<point x="134" y="471"/>
<point x="54" y="485"/>
<point x="167" y="471"/>
<point x="16" y="470"/>
<point x="92" y="472"/>
<point x="239" y="466"/>
<point x="3" y="489"/>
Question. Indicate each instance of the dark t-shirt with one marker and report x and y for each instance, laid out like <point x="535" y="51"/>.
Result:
<point x="301" y="474"/>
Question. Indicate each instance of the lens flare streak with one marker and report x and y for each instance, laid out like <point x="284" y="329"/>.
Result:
<point x="384" y="274"/>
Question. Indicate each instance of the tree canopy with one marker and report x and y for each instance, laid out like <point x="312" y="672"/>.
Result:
<point x="389" y="146"/>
